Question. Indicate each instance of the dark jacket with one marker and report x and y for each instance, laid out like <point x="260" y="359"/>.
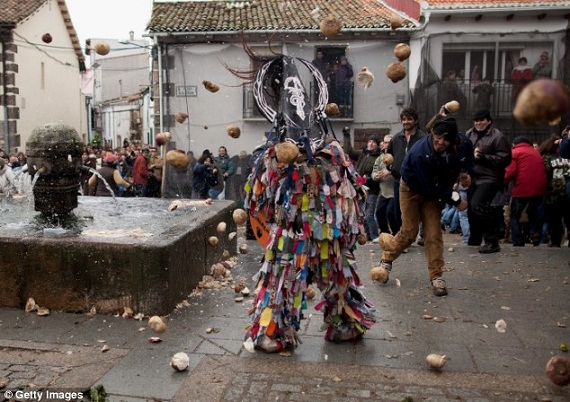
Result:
<point x="226" y="164"/>
<point x="429" y="173"/>
<point x="199" y="186"/>
<point x="364" y="163"/>
<point x="399" y="146"/>
<point x="496" y="149"/>
<point x="558" y="175"/>
<point x="564" y="149"/>
<point x="344" y="74"/>
<point x="527" y="172"/>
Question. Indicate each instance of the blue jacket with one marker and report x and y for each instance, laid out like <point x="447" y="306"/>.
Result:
<point x="564" y="147"/>
<point x="432" y="174"/>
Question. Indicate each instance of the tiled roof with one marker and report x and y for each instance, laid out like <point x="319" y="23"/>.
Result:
<point x="14" y="11"/>
<point x="223" y="16"/>
<point x="472" y="4"/>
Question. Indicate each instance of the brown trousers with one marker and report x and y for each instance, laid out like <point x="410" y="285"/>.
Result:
<point x="415" y="209"/>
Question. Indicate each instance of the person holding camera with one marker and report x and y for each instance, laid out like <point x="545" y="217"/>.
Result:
<point x="208" y="181"/>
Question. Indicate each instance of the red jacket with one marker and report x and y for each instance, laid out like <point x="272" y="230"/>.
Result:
<point x="140" y="170"/>
<point x="527" y="172"/>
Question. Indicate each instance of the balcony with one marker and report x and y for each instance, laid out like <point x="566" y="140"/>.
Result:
<point x="499" y="101"/>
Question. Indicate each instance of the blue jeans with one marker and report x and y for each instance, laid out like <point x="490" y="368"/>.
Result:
<point x="450" y="217"/>
<point x="213" y="193"/>
<point x="370" y="219"/>
<point x="385" y="215"/>
<point x="140" y="190"/>
<point x="464" y="223"/>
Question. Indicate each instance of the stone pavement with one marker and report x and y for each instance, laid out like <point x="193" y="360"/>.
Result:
<point x="526" y="287"/>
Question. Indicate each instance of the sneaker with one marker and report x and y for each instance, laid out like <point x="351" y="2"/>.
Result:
<point x="376" y="240"/>
<point x="420" y="241"/>
<point x="489" y="248"/>
<point x="438" y="286"/>
<point x="388" y="267"/>
<point x="535" y="239"/>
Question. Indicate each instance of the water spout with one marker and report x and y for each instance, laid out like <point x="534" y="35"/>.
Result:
<point x="56" y="149"/>
<point x="100" y="177"/>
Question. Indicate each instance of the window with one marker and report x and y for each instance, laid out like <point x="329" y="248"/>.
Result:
<point x="474" y="62"/>
<point x="471" y="65"/>
<point x="327" y="60"/>
<point x="483" y="73"/>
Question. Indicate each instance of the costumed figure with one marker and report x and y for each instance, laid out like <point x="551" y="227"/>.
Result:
<point x="302" y="197"/>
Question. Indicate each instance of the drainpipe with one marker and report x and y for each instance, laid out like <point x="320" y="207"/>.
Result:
<point x="160" y="101"/>
<point x="5" y="94"/>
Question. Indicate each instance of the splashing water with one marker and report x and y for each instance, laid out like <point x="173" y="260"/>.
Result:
<point x="107" y="186"/>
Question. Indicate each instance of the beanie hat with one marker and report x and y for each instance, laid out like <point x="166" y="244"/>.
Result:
<point x="110" y="158"/>
<point x="482" y="114"/>
<point x="448" y="128"/>
<point x="521" y="139"/>
<point x="375" y="138"/>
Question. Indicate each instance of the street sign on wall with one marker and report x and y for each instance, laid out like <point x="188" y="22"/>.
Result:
<point x="189" y="90"/>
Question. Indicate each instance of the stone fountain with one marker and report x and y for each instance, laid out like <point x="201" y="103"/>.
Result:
<point x="81" y="252"/>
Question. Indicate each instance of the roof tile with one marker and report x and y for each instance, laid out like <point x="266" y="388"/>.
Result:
<point x="214" y="16"/>
<point x="14" y="11"/>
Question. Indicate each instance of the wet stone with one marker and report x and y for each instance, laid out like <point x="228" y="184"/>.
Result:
<point x="131" y="252"/>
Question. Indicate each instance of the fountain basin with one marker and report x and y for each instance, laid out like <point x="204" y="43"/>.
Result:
<point x="125" y="252"/>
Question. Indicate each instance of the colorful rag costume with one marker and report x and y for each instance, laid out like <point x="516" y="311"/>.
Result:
<point x="307" y="217"/>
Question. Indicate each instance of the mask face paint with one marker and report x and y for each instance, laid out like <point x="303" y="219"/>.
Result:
<point x="282" y="99"/>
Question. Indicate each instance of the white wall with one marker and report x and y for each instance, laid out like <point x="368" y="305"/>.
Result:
<point x="58" y="99"/>
<point x="122" y="76"/>
<point x="375" y="107"/>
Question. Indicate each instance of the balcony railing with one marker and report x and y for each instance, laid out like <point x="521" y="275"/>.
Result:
<point x="499" y="99"/>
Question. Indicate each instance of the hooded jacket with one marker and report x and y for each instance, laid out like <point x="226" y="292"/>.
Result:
<point x="527" y="172"/>
<point x="430" y="173"/>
